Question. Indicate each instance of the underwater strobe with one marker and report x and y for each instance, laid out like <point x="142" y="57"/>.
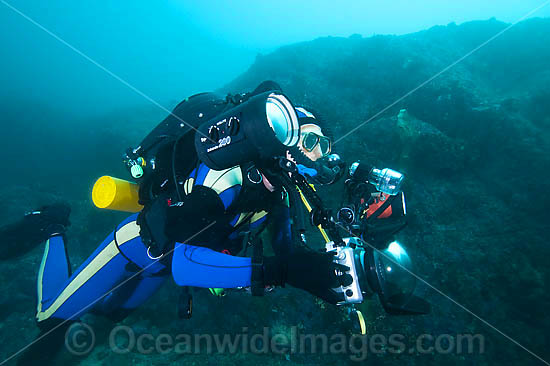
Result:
<point x="263" y="127"/>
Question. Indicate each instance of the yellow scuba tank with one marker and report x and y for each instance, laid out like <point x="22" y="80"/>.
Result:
<point x="116" y="194"/>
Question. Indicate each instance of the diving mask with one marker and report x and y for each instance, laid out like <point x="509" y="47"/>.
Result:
<point x="310" y="140"/>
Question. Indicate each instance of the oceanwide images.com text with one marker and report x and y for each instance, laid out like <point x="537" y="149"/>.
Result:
<point x="80" y="340"/>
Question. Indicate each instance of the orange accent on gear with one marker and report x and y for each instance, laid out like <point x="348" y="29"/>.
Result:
<point x="374" y="206"/>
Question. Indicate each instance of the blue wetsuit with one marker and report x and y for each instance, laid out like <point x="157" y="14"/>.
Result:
<point x="121" y="273"/>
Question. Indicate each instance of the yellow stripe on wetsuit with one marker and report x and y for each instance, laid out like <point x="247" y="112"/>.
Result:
<point x="124" y="234"/>
<point x="41" y="274"/>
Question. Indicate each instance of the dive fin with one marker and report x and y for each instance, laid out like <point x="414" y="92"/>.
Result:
<point x="46" y="345"/>
<point x="34" y="228"/>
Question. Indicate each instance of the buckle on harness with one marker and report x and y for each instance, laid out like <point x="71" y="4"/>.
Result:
<point x="151" y="257"/>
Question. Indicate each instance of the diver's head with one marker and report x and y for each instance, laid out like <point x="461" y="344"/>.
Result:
<point x="314" y="142"/>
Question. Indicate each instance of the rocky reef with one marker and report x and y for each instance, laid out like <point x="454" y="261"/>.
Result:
<point x="472" y="135"/>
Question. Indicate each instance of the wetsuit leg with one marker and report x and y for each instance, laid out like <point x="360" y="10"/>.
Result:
<point x="107" y="277"/>
<point x="120" y="303"/>
<point x="64" y="297"/>
<point x="97" y="276"/>
<point x="55" y="268"/>
<point x="145" y="288"/>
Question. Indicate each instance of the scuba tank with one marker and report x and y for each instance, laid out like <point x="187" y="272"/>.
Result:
<point x="159" y="166"/>
<point x="116" y="194"/>
<point x="165" y="155"/>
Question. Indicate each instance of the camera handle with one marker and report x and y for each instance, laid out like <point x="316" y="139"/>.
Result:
<point x="319" y="214"/>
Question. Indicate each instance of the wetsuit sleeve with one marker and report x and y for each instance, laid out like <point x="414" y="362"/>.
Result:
<point x="204" y="267"/>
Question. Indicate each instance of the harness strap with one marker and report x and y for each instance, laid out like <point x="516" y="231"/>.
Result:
<point x="131" y="266"/>
<point x="257" y="279"/>
<point x="257" y="285"/>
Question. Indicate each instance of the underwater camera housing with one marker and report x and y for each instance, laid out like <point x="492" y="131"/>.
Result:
<point x="387" y="273"/>
<point x="348" y="256"/>
<point x="263" y="127"/>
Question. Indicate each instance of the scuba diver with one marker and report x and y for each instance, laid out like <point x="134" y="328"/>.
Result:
<point x="211" y="177"/>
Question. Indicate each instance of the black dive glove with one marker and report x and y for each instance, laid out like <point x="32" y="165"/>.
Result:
<point x="311" y="271"/>
<point x="199" y="219"/>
